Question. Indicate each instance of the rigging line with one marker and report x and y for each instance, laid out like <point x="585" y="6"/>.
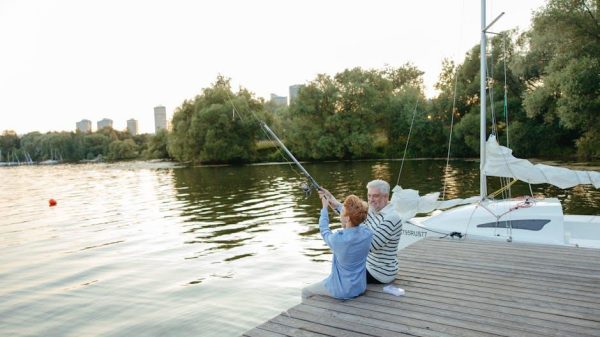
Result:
<point x="490" y="81"/>
<point x="450" y="137"/>
<point x="460" y="38"/>
<point x="491" y="96"/>
<point x="407" y="140"/>
<point x="428" y="229"/>
<point x="505" y="90"/>
<point x="505" y="57"/>
<point x="504" y="183"/>
<point x="471" y="219"/>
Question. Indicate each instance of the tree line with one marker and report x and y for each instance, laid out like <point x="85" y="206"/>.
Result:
<point x="106" y="143"/>
<point x="543" y="99"/>
<point x="543" y="90"/>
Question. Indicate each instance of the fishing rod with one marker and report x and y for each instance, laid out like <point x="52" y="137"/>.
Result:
<point x="306" y="187"/>
<point x="313" y="182"/>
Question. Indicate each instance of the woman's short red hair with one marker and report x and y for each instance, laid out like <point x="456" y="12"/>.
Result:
<point x="356" y="209"/>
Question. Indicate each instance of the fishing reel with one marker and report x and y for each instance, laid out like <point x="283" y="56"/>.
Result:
<point x="306" y="188"/>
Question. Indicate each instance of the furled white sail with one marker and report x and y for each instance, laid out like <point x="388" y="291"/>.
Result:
<point x="408" y="203"/>
<point x="500" y="162"/>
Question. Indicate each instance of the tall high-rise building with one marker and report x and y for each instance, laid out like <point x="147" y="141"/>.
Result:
<point x="279" y="100"/>
<point x="160" y="118"/>
<point x="84" y="126"/>
<point x="294" y="91"/>
<point x="105" y="122"/>
<point x="132" y="126"/>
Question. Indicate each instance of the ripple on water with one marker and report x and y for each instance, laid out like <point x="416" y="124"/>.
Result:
<point x="149" y="249"/>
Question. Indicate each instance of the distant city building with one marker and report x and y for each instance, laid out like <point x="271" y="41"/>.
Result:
<point x="105" y="122"/>
<point x="160" y="118"/>
<point x="279" y="100"/>
<point x="294" y="91"/>
<point x="84" y="126"/>
<point x="132" y="126"/>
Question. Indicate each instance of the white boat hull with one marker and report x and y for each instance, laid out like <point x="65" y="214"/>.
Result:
<point x="529" y="220"/>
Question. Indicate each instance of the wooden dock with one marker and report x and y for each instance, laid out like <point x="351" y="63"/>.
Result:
<point x="464" y="288"/>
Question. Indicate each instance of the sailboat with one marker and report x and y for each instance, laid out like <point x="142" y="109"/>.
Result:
<point x="2" y="163"/>
<point x="55" y="158"/>
<point x="527" y="219"/>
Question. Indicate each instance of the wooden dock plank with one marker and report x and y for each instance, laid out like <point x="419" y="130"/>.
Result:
<point x="543" y="255"/>
<point x="543" y="292"/>
<point x="409" y="318"/>
<point x="572" y="269"/>
<point x="500" y="308"/>
<point x="367" y="323"/>
<point x="521" y="297"/>
<point x="460" y="310"/>
<point x="567" y="272"/>
<point x="321" y="328"/>
<point x="498" y="324"/>
<point x="464" y="288"/>
<point x="492" y="274"/>
<point x="569" y="291"/>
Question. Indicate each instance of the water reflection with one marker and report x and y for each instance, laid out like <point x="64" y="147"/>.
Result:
<point x="238" y="209"/>
<point x="184" y="245"/>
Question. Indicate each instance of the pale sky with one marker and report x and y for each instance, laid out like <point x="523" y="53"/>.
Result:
<point x="66" y="60"/>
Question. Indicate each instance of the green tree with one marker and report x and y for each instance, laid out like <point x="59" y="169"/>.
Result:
<point x="207" y="129"/>
<point x="31" y="143"/>
<point x="305" y="133"/>
<point x="143" y="143"/>
<point x="122" y="150"/>
<point x="459" y="100"/>
<point x="157" y="147"/>
<point x="96" y="144"/>
<point x="353" y="114"/>
<point x="562" y="69"/>
<point x="9" y="142"/>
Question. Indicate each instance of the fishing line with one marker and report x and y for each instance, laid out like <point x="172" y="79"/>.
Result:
<point x="271" y="136"/>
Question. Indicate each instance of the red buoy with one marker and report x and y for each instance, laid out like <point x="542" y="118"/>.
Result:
<point x="52" y="202"/>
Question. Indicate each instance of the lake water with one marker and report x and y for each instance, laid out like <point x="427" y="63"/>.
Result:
<point x="151" y="249"/>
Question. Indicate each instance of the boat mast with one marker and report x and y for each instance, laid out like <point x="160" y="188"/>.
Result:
<point x="482" y="83"/>
<point x="482" y="94"/>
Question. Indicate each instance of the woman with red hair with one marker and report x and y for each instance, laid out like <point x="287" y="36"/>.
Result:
<point x="350" y="247"/>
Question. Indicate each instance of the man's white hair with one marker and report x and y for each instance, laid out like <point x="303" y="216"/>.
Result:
<point x="382" y="185"/>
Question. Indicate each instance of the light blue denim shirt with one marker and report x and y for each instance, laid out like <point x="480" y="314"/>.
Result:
<point x="350" y="248"/>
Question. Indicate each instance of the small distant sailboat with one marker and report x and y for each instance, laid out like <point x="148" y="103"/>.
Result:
<point x="95" y="160"/>
<point x="12" y="159"/>
<point x="55" y="158"/>
<point x="28" y="160"/>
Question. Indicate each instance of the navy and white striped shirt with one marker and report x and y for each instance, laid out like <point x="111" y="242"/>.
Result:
<point x="382" y="261"/>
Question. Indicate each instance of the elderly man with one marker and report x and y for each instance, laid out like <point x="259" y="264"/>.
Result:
<point x="386" y="225"/>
